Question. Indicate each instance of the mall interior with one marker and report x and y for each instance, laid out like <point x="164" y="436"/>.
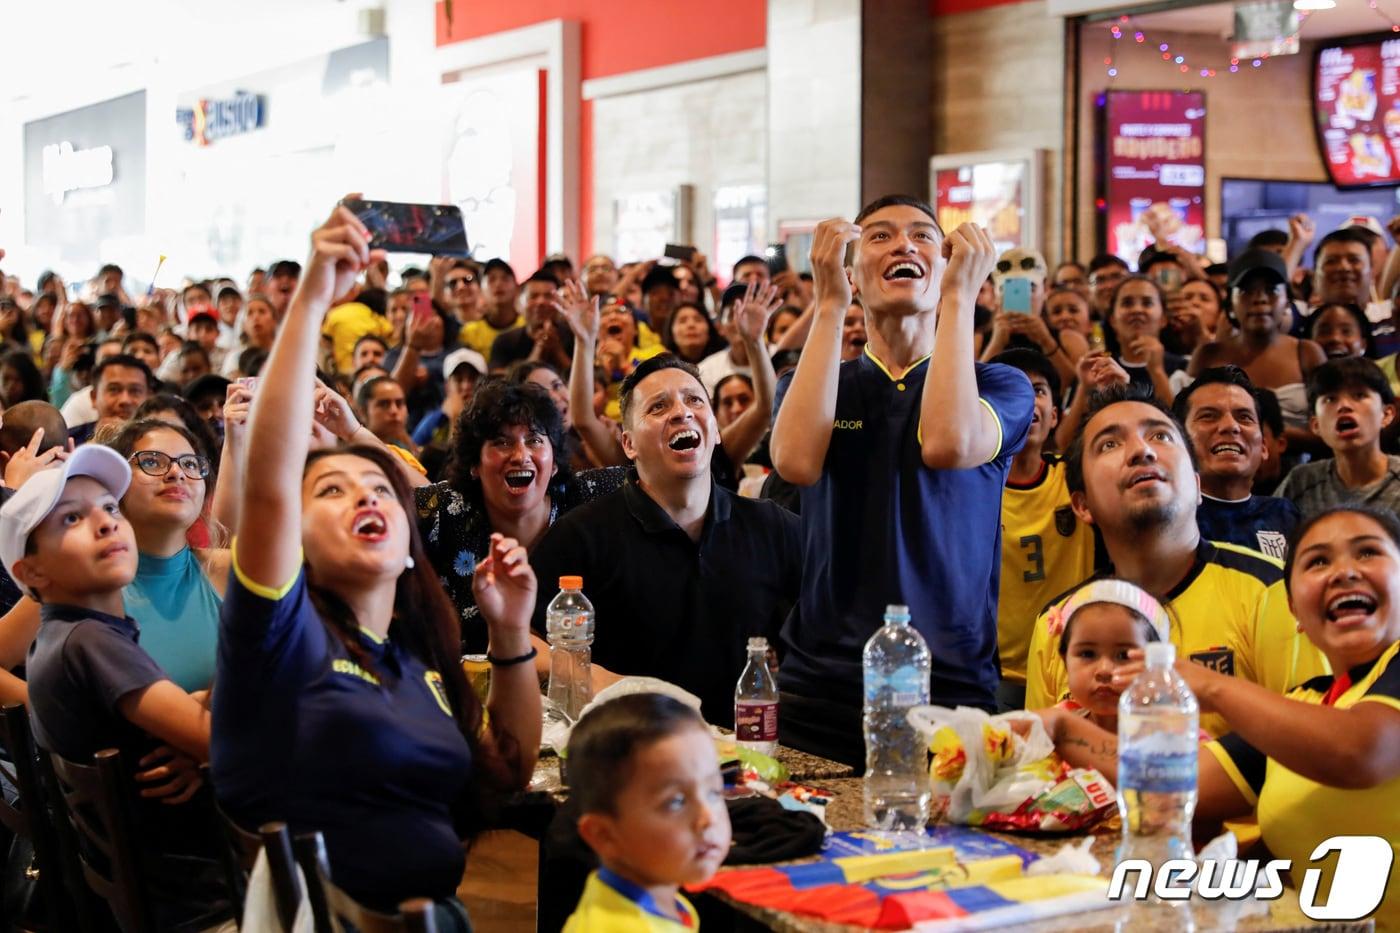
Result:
<point x="581" y="127"/>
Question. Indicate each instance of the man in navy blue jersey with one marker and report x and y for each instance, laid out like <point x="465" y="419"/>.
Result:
<point x="902" y="454"/>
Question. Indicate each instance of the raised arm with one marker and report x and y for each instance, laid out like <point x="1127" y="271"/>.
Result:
<point x="802" y="431"/>
<point x="1300" y="236"/>
<point x="959" y="431"/>
<point x="751" y="314"/>
<point x="268" y="548"/>
<point x="333" y="413"/>
<point x="581" y="313"/>
<point x="228" y="492"/>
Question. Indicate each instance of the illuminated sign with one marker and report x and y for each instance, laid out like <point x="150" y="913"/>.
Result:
<point x="67" y="169"/>
<point x="212" y="120"/>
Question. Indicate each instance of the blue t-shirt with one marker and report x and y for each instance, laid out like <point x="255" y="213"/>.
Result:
<point x="372" y="758"/>
<point x="1261" y="523"/>
<point x="178" y="611"/>
<point x="880" y="527"/>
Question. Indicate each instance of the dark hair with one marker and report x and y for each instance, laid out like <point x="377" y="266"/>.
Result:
<point x="785" y="309"/>
<point x="1068" y="264"/>
<point x="899" y="200"/>
<point x="785" y="358"/>
<point x="713" y="342"/>
<point x="369" y="338"/>
<point x="22" y="420"/>
<point x="130" y="362"/>
<point x="190" y="348"/>
<point x="1363" y="323"/>
<point x="1345" y="235"/>
<point x="252" y="360"/>
<point x="376" y="299"/>
<point x="20" y="332"/>
<point x="659" y="277"/>
<point x="1106" y="398"/>
<point x="228" y="291"/>
<point x="424" y="621"/>
<point x="1383" y="517"/>
<point x="1033" y="362"/>
<point x="496" y="405"/>
<point x="1266" y="239"/>
<point x="194" y="286"/>
<point x="1270" y="413"/>
<point x="1215" y="375"/>
<point x="742" y="377"/>
<point x="124" y="442"/>
<point x="366" y="393"/>
<point x="520" y="371"/>
<point x="109" y="267"/>
<point x="646" y="368"/>
<point x="746" y="261"/>
<point x="205" y="441"/>
<point x="606" y="740"/>
<point x="1110" y="332"/>
<point x="1348" y="373"/>
<point x="497" y="263"/>
<point x="140" y="336"/>
<point x="284" y="267"/>
<point x="1104" y="260"/>
<point x="32" y="382"/>
<point x="543" y="278"/>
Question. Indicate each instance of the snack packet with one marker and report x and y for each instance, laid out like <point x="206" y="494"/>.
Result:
<point x="986" y="773"/>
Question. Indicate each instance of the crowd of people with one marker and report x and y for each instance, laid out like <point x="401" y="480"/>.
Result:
<point x="257" y="525"/>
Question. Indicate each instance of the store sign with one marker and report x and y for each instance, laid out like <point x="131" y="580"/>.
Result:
<point x="67" y="169"/>
<point x="1357" y="109"/>
<point x="212" y="120"/>
<point x="992" y="194"/>
<point x="1154" y="171"/>
<point x="85" y="177"/>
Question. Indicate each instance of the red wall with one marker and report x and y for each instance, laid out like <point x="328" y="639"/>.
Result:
<point x="949" y="7"/>
<point x="617" y="36"/>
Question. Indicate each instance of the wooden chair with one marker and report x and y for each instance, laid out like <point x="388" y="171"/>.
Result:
<point x="332" y="907"/>
<point x="29" y="819"/>
<point x="99" y="822"/>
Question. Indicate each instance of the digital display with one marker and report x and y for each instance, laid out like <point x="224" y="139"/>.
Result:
<point x="1154" y="171"/>
<point x="992" y="194"/>
<point x="1356" y="97"/>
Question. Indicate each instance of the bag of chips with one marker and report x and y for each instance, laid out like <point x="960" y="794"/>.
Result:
<point x="984" y="772"/>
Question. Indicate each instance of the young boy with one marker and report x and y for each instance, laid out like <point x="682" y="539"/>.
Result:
<point x="1045" y="550"/>
<point x="1351" y="402"/>
<point x="644" y="771"/>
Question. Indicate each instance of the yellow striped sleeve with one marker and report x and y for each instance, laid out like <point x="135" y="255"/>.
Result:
<point x="259" y="589"/>
<point x="1001" y="432"/>
<point x="1233" y="772"/>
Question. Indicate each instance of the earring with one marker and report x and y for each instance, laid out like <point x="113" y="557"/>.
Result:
<point x="408" y="562"/>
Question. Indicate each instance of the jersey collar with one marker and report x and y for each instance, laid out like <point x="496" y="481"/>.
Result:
<point x="640" y="896"/>
<point x="886" y="370"/>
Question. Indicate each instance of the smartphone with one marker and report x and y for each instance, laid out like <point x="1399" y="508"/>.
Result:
<point x="1016" y="295"/>
<point x="412" y="228"/>
<point x="676" y="251"/>
<point x="776" y="256"/>
<point x="422" y="307"/>
<point x="248" y="382"/>
<point x="1170" y="277"/>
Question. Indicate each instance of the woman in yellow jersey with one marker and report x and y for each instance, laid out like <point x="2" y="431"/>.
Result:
<point x="1323" y="761"/>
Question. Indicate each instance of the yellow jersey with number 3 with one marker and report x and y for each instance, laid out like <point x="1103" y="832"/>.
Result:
<point x="1045" y="550"/>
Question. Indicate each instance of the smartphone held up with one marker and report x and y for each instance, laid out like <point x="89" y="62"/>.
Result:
<point x="399" y="227"/>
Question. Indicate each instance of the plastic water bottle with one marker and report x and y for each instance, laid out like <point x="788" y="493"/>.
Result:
<point x="896" y="759"/>
<point x="1158" y="726"/>
<point x="569" y="625"/>
<point x="756" y="702"/>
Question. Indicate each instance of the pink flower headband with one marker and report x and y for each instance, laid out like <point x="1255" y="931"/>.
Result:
<point x="1118" y="592"/>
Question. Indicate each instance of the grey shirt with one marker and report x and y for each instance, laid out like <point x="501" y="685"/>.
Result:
<point x="1316" y="486"/>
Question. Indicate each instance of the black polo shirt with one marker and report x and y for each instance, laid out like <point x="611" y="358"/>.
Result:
<point x="670" y="607"/>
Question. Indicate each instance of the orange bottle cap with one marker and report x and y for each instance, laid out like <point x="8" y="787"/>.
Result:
<point x="571" y="583"/>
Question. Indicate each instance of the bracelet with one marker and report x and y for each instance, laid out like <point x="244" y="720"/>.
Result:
<point x="507" y="662"/>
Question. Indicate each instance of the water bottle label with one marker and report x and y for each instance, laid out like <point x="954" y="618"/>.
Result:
<point x="1157" y="772"/>
<point x="905" y="684"/>
<point x="756" y="722"/>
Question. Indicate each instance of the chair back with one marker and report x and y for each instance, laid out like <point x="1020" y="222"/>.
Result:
<point x="333" y="908"/>
<point x="29" y="818"/>
<point x="282" y="866"/>
<point x="95" y="801"/>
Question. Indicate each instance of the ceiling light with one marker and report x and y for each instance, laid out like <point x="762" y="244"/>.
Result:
<point x="1312" y="6"/>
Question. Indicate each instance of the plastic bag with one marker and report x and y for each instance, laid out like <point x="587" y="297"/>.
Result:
<point x="985" y="773"/>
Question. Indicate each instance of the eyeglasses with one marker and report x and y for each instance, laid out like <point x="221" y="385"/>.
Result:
<point x="461" y="281"/>
<point x="1027" y="263"/>
<point x="1107" y="278"/>
<point x="156" y="463"/>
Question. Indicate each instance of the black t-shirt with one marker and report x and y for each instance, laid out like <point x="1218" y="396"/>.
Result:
<point x="515" y="345"/>
<point x="670" y="607"/>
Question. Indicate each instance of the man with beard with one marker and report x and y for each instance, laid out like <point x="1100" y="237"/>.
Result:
<point x="1131" y="474"/>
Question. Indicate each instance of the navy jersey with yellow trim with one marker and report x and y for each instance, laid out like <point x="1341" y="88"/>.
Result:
<point x="1230" y="613"/>
<point x="1045" y="549"/>
<point x="1296" y="813"/>
<point x="880" y="527"/>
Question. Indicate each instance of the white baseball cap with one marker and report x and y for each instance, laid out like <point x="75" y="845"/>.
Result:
<point x="33" y="501"/>
<point x="463" y="355"/>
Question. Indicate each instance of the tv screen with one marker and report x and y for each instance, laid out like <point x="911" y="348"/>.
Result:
<point x="1249" y="206"/>
<point x="1154" y="171"/>
<point x="1356" y="105"/>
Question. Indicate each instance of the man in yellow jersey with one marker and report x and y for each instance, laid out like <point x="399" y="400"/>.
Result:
<point x="1132" y="474"/>
<point x="501" y="312"/>
<point x="1045" y="548"/>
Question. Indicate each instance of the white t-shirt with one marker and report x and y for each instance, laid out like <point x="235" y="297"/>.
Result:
<point x="716" y="366"/>
<point x="79" y="409"/>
